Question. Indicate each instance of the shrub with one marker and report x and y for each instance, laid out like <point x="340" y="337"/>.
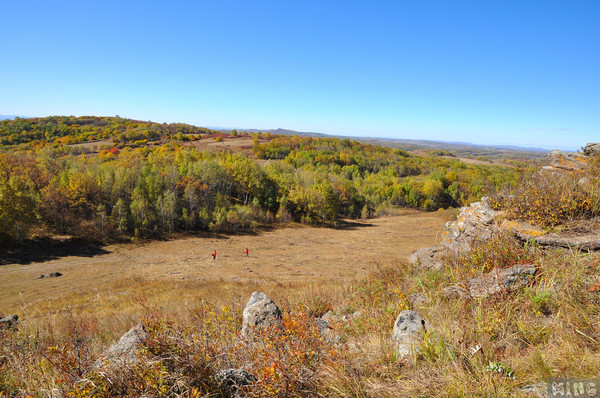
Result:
<point x="500" y="251"/>
<point x="550" y="199"/>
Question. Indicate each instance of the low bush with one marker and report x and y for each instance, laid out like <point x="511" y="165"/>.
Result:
<point x="549" y="199"/>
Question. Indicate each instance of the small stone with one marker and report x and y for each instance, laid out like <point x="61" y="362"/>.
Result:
<point x="327" y="333"/>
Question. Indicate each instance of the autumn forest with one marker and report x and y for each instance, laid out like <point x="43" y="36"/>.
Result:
<point x="106" y="178"/>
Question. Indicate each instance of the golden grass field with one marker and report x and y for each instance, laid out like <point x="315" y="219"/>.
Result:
<point x="283" y="261"/>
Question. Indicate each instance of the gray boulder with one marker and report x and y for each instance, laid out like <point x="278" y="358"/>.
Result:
<point x="9" y="322"/>
<point x="127" y="349"/>
<point x="260" y="312"/>
<point x="407" y="333"/>
<point x="232" y="381"/>
<point x="429" y="258"/>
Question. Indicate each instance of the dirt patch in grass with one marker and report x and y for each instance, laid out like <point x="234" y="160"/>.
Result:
<point x="169" y="272"/>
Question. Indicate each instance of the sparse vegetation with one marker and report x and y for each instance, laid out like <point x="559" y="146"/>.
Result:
<point x="550" y="199"/>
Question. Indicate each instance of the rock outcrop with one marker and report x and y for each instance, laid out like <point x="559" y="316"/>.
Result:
<point x="260" y="312"/>
<point x="127" y="349"/>
<point x="9" y="322"/>
<point x="407" y="333"/>
<point x="472" y="223"/>
<point x="497" y="280"/>
<point x="592" y="149"/>
<point x="475" y="222"/>
<point x="560" y="161"/>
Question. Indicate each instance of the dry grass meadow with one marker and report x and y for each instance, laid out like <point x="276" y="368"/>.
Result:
<point x="295" y="260"/>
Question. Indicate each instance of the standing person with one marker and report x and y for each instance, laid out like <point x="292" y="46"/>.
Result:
<point x="246" y="252"/>
<point x="214" y="254"/>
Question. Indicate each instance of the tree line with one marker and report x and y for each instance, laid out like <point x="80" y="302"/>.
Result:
<point x="147" y="191"/>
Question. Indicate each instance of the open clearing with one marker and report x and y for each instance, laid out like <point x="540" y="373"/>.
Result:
<point x="299" y="259"/>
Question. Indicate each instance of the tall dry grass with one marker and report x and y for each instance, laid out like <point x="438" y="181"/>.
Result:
<point x="481" y="347"/>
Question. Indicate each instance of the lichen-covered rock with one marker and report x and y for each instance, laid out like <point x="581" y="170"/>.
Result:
<point x="560" y="161"/>
<point x="127" y="349"/>
<point x="521" y="230"/>
<point x="503" y="279"/>
<point x="589" y="241"/>
<point x="473" y="222"/>
<point x="429" y="258"/>
<point x="260" y="312"/>
<point x="232" y="381"/>
<point x="407" y="333"/>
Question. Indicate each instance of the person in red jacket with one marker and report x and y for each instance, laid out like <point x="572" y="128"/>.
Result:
<point x="214" y="254"/>
<point x="246" y="252"/>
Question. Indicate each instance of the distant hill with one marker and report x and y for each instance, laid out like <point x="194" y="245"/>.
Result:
<point x="11" y="117"/>
<point x="462" y="149"/>
<point x="417" y="144"/>
<point x="71" y="130"/>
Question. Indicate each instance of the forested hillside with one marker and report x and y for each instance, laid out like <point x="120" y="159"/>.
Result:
<point x="73" y="130"/>
<point x="146" y="179"/>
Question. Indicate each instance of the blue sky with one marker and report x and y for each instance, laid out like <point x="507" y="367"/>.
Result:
<point x="490" y="72"/>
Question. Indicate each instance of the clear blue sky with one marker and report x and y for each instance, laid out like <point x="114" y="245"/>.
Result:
<point x="490" y="72"/>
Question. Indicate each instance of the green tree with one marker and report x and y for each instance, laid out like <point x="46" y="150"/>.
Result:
<point x="140" y="208"/>
<point x="18" y="206"/>
<point x="119" y="215"/>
